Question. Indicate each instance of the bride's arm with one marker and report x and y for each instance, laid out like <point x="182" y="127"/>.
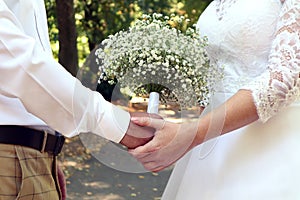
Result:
<point x="172" y="141"/>
<point x="279" y="86"/>
<point x="264" y="97"/>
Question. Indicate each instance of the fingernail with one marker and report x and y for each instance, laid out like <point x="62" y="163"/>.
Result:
<point x="134" y="119"/>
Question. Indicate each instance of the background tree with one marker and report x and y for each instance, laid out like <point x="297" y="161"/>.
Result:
<point x="68" y="55"/>
<point x="194" y="8"/>
<point x="100" y="18"/>
<point x="151" y="6"/>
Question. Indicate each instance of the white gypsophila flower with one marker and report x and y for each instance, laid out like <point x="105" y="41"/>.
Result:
<point x="154" y="55"/>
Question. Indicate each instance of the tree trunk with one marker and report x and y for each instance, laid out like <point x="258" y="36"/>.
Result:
<point x="68" y="54"/>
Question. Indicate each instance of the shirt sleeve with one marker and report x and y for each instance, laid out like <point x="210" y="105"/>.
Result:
<point x="48" y="91"/>
<point x="279" y="86"/>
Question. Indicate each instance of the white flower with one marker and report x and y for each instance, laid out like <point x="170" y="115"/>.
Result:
<point x="154" y="51"/>
<point x="141" y="63"/>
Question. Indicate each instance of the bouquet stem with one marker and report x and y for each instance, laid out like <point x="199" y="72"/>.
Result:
<point x="153" y="103"/>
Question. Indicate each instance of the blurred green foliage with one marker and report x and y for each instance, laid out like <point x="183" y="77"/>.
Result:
<point x="97" y="19"/>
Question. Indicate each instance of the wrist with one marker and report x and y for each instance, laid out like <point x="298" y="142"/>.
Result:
<point x="200" y="133"/>
<point x="192" y="134"/>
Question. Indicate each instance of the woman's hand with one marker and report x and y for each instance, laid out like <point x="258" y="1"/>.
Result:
<point x="171" y="141"/>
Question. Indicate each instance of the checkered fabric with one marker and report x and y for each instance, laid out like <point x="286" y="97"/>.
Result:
<point x="26" y="173"/>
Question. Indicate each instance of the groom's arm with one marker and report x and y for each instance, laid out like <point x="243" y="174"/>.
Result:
<point x="47" y="91"/>
<point x="51" y="95"/>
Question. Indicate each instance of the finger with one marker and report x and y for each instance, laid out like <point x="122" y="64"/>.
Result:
<point x="142" y="151"/>
<point x="138" y="156"/>
<point x="155" y="116"/>
<point x="153" y="166"/>
<point x="143" y="114"/>
<point x="148" y="121"/>
<point x="141" y="121"/>
<point x="158" y="169"/>
<point x="149" y="157"/>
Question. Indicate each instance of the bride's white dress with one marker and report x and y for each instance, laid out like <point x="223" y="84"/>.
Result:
<point x="253" y="40"/>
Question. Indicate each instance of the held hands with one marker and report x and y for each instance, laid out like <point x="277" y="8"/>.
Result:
<point x="170" y="142"/>
<point x="137" y="135"/>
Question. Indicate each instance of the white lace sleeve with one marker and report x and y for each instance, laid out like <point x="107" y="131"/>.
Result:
<point x="280" y="86"/>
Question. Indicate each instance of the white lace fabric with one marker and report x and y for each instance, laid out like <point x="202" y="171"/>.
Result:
<point x="221" y="7"/>
<point x="257" y="42"/>
<point x="279" y="86"/>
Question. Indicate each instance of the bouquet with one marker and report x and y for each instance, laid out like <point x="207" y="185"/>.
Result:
<point x="156" y="57"/>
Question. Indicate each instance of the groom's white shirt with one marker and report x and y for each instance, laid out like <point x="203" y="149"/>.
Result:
<point x="35" y="90"/>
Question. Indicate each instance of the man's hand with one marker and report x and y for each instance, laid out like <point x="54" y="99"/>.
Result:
<point x="137" y="135"/>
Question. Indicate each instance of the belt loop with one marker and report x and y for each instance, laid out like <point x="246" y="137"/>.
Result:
<point x="60" y="139"/>
<point x="44" y="141"/>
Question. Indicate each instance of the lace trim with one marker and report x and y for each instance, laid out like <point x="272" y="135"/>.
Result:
<point x="222" y="6"/>
<point x="280" y="85"/>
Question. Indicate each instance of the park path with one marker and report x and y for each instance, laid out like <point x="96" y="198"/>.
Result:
<point x="90" y="179"/>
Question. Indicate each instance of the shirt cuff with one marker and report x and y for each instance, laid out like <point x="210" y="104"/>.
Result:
<point x="114" y="123"/>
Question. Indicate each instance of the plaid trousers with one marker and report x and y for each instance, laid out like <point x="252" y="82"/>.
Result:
<point x="26" y="173"/>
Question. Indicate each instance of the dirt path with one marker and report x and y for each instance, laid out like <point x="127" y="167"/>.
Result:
<point x="89" y="179"/>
